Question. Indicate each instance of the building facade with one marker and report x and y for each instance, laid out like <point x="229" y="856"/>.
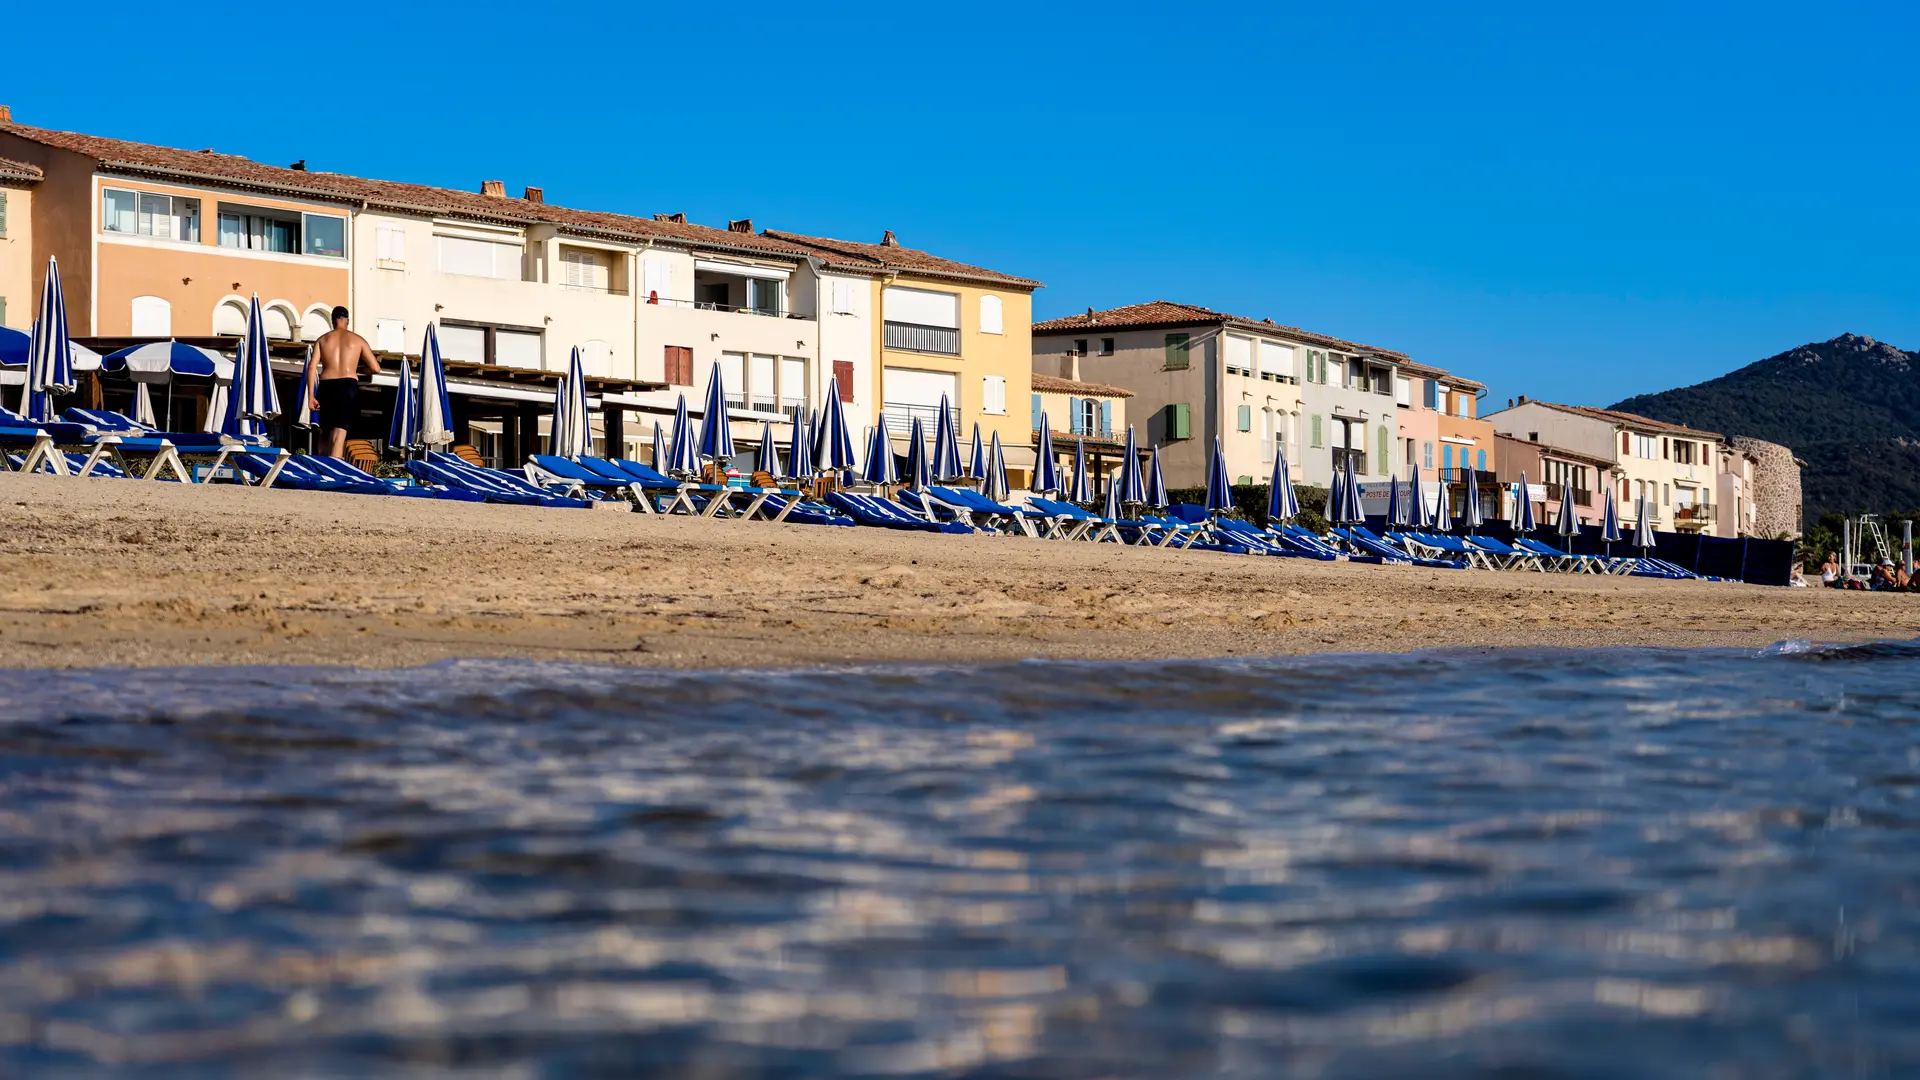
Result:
<point x="1777" y="509"/>
<point x="1553" y="474"/>
<point x="19" y="277"/>
<point x="1083" y="414"/>
<point x="1673" y="467"/>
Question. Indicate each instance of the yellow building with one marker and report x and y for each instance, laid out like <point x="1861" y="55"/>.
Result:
<point x="17" y="274"/>
<point x="1084" y="413"/>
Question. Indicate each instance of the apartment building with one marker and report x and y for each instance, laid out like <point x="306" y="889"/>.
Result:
<point x="1093" y="415"/>
<point x="1553" y="474"/>
<point x="18" y="275"/>
<point x="1673" y="466"/>
<point x="1261" y="388"/>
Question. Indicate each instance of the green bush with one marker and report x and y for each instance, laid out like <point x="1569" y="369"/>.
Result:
<point x="1250" y="502"/>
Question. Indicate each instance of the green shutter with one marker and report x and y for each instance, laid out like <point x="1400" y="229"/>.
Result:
<point x="1106" y="419"/>
<point x="1382" y="466"/>
<point x="3" y="311"/>
<point x="3" y="213"/>
<point x="1246" y="418"/>
<point x="1176" y="350"/>
<point x="1318" y="438"/>
<point x="1036" y="412"/>
<point x="1180" y="421"/>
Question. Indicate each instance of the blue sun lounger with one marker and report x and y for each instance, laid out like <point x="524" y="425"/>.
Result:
<point x="984" y="511"/>
<point x="493" y="485"/>
<point x="1065" y="521"/>
<point x="1565" y="561"/>
<point x="872" y="510"/>
<point x="564" y="476"/>
<point x="1368" y="542"/>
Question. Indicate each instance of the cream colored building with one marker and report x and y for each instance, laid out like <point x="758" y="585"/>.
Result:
<point x="19" y="279"/>
<point x="1676" y="468"/>
<point x="1087" y="414"/>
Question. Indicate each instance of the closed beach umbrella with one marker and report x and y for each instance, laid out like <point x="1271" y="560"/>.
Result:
<point x="303" y="415"/>
<point x="977" y="460"/>
<point x="1111" y="511"/>
<point x="1610" y="520"/>
<point x="659" y="449"/>
<point x="1133" y="485"/>
<point x="1396" y="512"/>
<point x="1523" y="512"/>
<point x="435" y="427"/>
<point x="1079" y="485"/>
<point x="1219" y="493"/>
<point x="683" y="452"/>
<point x="1282" y="504"/>
<point x="1569" y="523"/>
<point x="994" y="485"/>
<point x="833" y="443"/>
<point x="49" y="354"/>
<point x="767" y="458"/>
<point x="1336" y="494"/>
<point x="1046" y="472"/>
<point x="1351" y="513"/>
<point x="1417" y="515"/>
<point x="716" y="433"/>
<point x="143" y="407"/>
<point x="800" y="450"/>
<point x="1156" y="482"/>
<point x="879" y="465"/>
<point x="1642" y="526"/>
<point x="572" y="432"/>
<point x="919" y="469"/>
<point x="252" y="398"/>
<point x="946" y="464"/>
<point x="216" y="408"/>
<point x="1443" y="511"/>
<point x="406" y="413"/>
<point x="1471" y="507"/>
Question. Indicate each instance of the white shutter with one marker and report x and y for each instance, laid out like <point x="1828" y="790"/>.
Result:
<point x="479" y="258"/>
<point x="1239" y="353"/>
<point x="733" y="374"/>
<point x="793" y="379"/>
<point x="1275" y="359"/>
<point x="990" y="315"/>
<point x="390" y="335"/>
<point x="923" y="308"/>
<point x="514" y="349"/>
<point x="579" y="269"/>
<point x="390" y="245"/>
<point x="467" y="344"/>
<point x="1402" y="390"/>
<point x="843" y="298"/>
<point x="760" y="381"/>
<point x="993" y="395"/>
<point x="659" y="278"/>
<point x="152" y="317"/>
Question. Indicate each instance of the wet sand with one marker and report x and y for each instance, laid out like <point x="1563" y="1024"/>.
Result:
<point x="110" y="572"/>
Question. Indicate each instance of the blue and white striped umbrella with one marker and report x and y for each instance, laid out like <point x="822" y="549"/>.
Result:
<point x="1396" y="510"/>
<point x="1610" y="521"/>
<point x="160" y="361"/>
<point x="436" y="412"/>
<point x="1470" y="507"/>
<point x="143" y="407"/>
<point x="571" y="433"/>
<point x="1219" y="491"/>
<point x="919" y="469"/>
<point x="659" y="462"/>
<point x="1282" y="504"/>
<point x="1350" y="511"/>
<point x="800" y="450"/>
<point x="15" y="347"/>
<point x="1569" y="523"/>
<point x="252" y="399"/>
<point x="833" y="443"/>
<point x="766" y="458"/>
<point x="1443" y="511"/>
<point x="405" y="425"/>
<point x="1046" y="471"/>
<point x="1111" y="509"/>
<point x="1133" y="485"/>
<point x="1418" y="516"/>
<point x="304" y="416"/>
<point x="994" y="485"/>
<point x="1079" y="489"/>
<point x="716" y="431"/>
<point x="1156" y="496"/>
<point x="946" y="463"/>
<point x="1642" y="525"/>
<point x="49" y="354"/>
<point x="1336" y="493"/>
<point x="879" y="464"/>
<point x="683" y="453"/>
<point x="977" y="461"/>
<point x="216" y="408"/>
<point x="1523" y="509"/>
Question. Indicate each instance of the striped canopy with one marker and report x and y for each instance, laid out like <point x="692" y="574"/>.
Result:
<point x="1133" y="485"/>
<point x="1610" y="521"/>
<point x="303" y="412"/>
<point x="1523" y="508"/>
<point x="683" y="453"/>
<point x="1046" y="471"/>
<point x="833" y="443"/>
<point x="253" y="399"/>
<point x="1219" y="491"/>
<point x="1418" y="516"/>
<point x="1282" y="504"/>
<point x="571" y="434"/>
<point x="1569" y="523"/>
<point x="405" y="425"/>
<point x="49" y="353"/>
<point x="160" y="361"/>
<point x="1079" y="487"/>
<point x="716" y="432"/>
<point x="1156" y="495"/>
<point x="879" y="464"/>
<point x="766" y="458"/>
<point x="994" y="485"/>
<point x="977" y="460"/>
<point x="1470" y="507"/>
<point x="946" y="463"/>
<point x="919" y="470"/>
<point x="1443" y="511"/>
<point x="143" y="407"/>
<point x="800" y="450"/>
<point x="1642" y="525"/>
<point x="436" y="412"/>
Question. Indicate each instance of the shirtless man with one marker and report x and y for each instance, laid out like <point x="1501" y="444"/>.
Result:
<point x="340" y="355"/>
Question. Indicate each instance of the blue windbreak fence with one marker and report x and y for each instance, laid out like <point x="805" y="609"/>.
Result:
<point x="1755" y="561"/>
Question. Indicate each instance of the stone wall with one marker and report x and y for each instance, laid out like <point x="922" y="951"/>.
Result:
<point x="1776" y="487"/>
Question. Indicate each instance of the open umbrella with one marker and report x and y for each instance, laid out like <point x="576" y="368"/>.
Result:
<point x="683" y="452"/>
<point x="1156" y="495"/>
<point x="1470" y="507"/>
<point x="435" y="426"/>
<point x="252" y="399"/>
<point x="1219" y="491"/>
<point x="919" y="469"/>
<point x="1523" y="509"/>
<point x="879" y="465"/>
<point x="800" y="450"/>
<point x="571" y="433"/>
<point x="833" y="443"/>
<point x="977" y="460"/>
<point x="766" y="457"/>
<point x="1046" y="473"/>
<point x="994" y="485"/>
<point x="716" y="432"/>
<point x="946" y="464"/>
<point x="1282" y="504"/>
<point x="1079" y="485"/>
<point x="49" y="354"/>
<point x="405" y="425"/>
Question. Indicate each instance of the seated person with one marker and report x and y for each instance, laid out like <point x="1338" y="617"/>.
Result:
<point x="1830" y="571"/>
<point x="1882" y="579"/>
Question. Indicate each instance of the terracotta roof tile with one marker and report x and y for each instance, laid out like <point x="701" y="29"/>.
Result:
<point x="1627" y="419"/>
<point x="849" y="254"/>
<point x="1048" y="384"/>
<point x="20" y="171"/>
<point x="1168" y="313"/>
<point x="1557" y="451"/>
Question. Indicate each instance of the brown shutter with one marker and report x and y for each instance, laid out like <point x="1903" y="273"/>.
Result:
<point x="679" y="365"/>
<point x="843" y="377"/>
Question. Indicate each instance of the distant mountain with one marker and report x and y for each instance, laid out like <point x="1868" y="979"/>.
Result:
<point x="1850" y="408"/>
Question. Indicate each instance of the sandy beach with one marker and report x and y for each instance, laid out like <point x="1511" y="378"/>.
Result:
<point x="112" y="573"/>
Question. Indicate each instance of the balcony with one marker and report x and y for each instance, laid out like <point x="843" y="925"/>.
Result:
<point x="913" y="337"/>
<point x="1697" y="516"/>
<point x="1581" y="497"/>
<point x="1341" y="457"/>
<point x="901" y="415"/>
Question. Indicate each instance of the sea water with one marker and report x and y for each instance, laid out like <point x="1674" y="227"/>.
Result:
<point x="1634" y="863"/>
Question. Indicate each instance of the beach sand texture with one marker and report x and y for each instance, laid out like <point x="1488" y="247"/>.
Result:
<point x="104" y="572"/>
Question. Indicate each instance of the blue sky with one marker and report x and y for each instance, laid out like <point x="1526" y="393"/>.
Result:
<point x="1574" y="205"/>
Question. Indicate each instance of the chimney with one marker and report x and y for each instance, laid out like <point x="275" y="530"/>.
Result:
<point x="744" y="225"/>
<point x="495" y="188"/>
<point x="6" y="114"/>
<point x="1523" y="399"/>
<point x="671" y="219"/>
<point x="535" y="194"/>
<point x="299" y="166"/>
<point x="887" y="240"/>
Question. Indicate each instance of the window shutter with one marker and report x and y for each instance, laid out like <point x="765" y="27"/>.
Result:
<point x="843" y="378"/>
<point x="1073" y="417"/>
<point x="1245" y="418"/>
<point x="1446" y="458"/>
<point x="3" y="213"/>
<point x="1382" y="442"/>
<point x="1036" y="412"/>
<point x="1430" y="394"/>
<point x="1106" y="419"/>
<point x="1180" y="421"/>
<point x="1319" y="436"/>
<point x="1481" y="460"/>
<point x="1177" y="345"/>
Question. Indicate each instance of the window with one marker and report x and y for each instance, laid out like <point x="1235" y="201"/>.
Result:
<point x="390" y="247"/>
<point x="763" y="295"/>
<point x="842" y="297"/>
<point x="794" y="390"/>
<point x="678" y="369"/>
<point x="1426" y="455"/>
<point x="230" y="318"/>
<point x="843" y="378"/>
<point x="152" y="317"/>
<point x="1106" y="343"/>
<point x="1079" y="347"/>
<point x="1180" y="419"/>
<point x="581" y="271"/>
<point x="1093" y="417"/>
<point x="467" y="344"/>
<point x="252" y="229"/>
<point x="164" y="217"/>
<point x="1266" y="434"/>
<point x="478" y="258"/>
<point x="919" y="320"/>
<point x="1319" y="433"/>
<point x="733" y="377"/>
<point x="516" y="348"/>
<point x="390" y="335"/>
<point x="990" y="315"/>
<point x="1646" y="446"/>
<point x="1177" y="351"/>
<point x="993" y="395"/>
<point x="658" y="276"/>
<point x="1430" y="394"/>
<point x="1403" y="391"/>
<point x="1480" y="460"/>
<point x="326" y="236"/>
<point x="911" y="393"/>
<point x="314" y="323"/>
<point x="1239" y="357"/>
<point x="1245" y="418"/>
<point x="1276" y="362"/>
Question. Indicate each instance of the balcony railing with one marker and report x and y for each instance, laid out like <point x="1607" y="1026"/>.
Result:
<point x="914" y="337"/>
<point x="708" y="305"/>
<point x="900" y="417"/>
<point x="1359" y="458"/>
<point x="1696" y="514"/>
<point x="1581" y="497"/>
